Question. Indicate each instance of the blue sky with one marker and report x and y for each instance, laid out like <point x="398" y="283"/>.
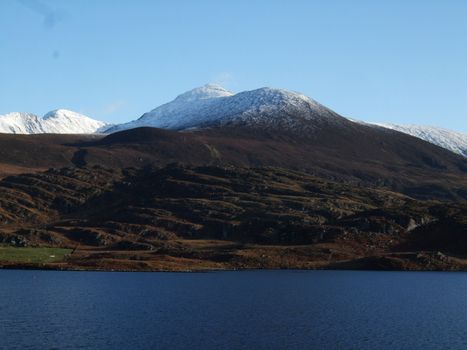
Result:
<point x="394" y="61"/>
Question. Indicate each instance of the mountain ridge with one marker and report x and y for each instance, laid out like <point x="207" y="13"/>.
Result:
<point x="451" y="140"/>
<point x="58" y="121"/>
<point x="211" y="105"/>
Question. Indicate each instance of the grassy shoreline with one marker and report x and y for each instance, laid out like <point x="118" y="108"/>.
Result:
<point x="63" y="259"/>
<point x="29" y="255"/>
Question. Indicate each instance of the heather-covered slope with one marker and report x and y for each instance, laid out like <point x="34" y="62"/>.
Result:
<point x="180" y="217"/>
<point x="353" y="153"/>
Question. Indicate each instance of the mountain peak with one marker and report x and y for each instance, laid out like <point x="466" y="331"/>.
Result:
<point x="61" y="112"/>
<point x="212" y="105"/>
<point x="207" y="91"/>
<point x="272" y="96"/>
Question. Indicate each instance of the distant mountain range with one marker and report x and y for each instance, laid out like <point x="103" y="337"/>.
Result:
<point x="212" y="105"/>
<point x="60" y="121"/>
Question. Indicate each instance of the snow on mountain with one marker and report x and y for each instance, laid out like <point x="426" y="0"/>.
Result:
<point x="60" y="121"/>
<point x="451" y="140"/>
<point x="20" y="123"/>
<point x="213" y="105"/>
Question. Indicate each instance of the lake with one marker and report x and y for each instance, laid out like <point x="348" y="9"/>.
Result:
<point x="233" y="310"/>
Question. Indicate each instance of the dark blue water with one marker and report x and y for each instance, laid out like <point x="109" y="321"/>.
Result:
<point x="233" y="310"/>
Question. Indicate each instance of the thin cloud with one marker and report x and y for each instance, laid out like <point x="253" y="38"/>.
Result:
<point x="113" y="107"/>
<point x="223" y="78"/>
<point x="50" y="16"/>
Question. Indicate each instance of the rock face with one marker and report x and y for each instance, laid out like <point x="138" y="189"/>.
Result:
<point x="60" y="121"/>
<point x="213" y="105"/>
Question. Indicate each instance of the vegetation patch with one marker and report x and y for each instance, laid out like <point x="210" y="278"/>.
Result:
<point x="32" y="255"/>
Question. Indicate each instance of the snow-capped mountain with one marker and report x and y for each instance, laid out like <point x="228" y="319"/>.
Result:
<point x="213" y="105"/>
<point x="60" y="121"/>
<point x="451" y="140"/>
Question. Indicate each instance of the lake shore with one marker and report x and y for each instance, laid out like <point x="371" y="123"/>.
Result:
<point x="134" y="261"/>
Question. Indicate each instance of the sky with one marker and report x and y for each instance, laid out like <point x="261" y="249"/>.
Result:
<point x="382" y="61"/>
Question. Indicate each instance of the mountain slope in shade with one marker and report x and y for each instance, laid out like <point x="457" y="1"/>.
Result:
<point x="212" y="105"/>
<point x="448" y="139"/>
<point x="60" y="121"/>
